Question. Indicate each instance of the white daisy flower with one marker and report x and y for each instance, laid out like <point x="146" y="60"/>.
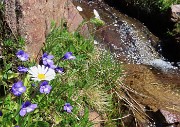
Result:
<point x="79" y="8"/>
<point x="40" y="72"/>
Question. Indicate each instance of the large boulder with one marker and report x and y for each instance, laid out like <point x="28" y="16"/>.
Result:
<point x="32" y="19"/>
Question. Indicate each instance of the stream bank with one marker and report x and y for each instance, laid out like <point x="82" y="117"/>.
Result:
<point x="152" y="81"/>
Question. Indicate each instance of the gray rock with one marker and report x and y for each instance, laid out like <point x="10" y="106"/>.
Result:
<point x="175" y="13"/>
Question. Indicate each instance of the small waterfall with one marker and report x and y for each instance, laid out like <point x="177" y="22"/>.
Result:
<point x="127" y="38"/>
<point x="139" y="51"/>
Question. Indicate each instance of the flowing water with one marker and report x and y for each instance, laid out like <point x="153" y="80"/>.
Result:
<point x="129" y="39"/>
<point x="147" y="71"/>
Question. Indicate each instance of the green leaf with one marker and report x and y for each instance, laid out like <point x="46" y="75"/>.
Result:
<point x="26" y="80"/>
<point x="40" y="124"/>
<point x="57" y="118"/>
<point x="11" y="75"/>
<point x="72" y="48"/>
<point x="1" y="75"/>
<point x="97" y="22"/>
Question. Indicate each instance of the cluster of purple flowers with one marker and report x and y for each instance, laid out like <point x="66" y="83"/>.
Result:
<point x="18" y="88"/>
<point x="23" y="57"/>
<point x="47" y="60"/>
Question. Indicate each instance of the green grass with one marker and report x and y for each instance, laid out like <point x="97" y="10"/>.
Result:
<point x="86" y="84"/>
<point x="153" y="5"/>
<point x="166" y="4"/>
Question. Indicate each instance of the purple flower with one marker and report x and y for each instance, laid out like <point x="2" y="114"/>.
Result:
<point x="68" y="107"/>
<point x="44" y="87"/>
<point x="59" y="70"/>
<point x="68" y="56"/>
<point x="27" y="107"/>
<point x="16" y="126"/>
<point x="45" y="55"/>
<point x="33" y="85"/>
<point x="52" y="66"/>
<point x="47" y="60"/>
<point x="22" y="69"/>
<point x="22" y="55"/>
<point x="18" y="88"/>
<point x="1" y="113"/>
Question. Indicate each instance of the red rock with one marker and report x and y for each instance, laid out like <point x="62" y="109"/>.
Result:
<point x="34" y="19"/>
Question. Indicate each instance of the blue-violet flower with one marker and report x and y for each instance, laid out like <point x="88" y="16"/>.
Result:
<point x="68" y="107"/>
<point x="59" y="70"/>
<point x="22" y="55"/>
<point x="47" y="60"/>
<point x="22" y="69"/>
<point x="68" y="56"/>
<point x="27" y="107"/>
<point x="44" y="87"/>
<point x="18" y="88"/>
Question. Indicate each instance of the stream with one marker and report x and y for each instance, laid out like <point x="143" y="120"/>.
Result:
<point x="147" y="71"/>
<point x="127" y="38"/>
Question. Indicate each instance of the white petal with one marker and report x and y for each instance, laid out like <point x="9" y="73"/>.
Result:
<point x="42" y="69"/>
<point x="35" y="79"/>
<point x="50" y="78"/>
<point x="33" y="74"/>
<point x="50" y="72"/>
<point x="33" y="71"/>
<point x="39" y="69"/>
<point x="45" y="69"/>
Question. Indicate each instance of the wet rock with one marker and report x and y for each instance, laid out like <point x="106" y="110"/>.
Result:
<point x="32" y="19"/>
<point x="171" y="117"/>
<point x="153" y="88"/>
<point x="162" y="65"/>
<point x="175" y="13"/>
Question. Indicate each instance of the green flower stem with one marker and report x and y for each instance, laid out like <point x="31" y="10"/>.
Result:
<point x="35" y="91"/>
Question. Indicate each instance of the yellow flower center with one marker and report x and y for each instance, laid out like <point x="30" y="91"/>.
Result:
<point x="41" y="76"/>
